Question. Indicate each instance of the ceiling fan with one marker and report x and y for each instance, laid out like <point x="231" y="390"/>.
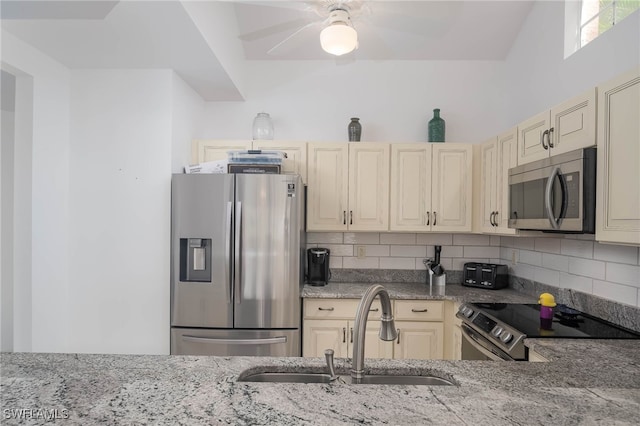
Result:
<point x="338" y="35"/>
<point x="331" y="22"/>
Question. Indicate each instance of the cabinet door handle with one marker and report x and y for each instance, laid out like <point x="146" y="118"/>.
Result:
<point x="428" y="218"/>
<point x="491" y="218"/>
<point x="351" y="335"/>
<point x="434" y="218"/>
<point x="546" y="132"/>
<point x="398" y="332"/>
<point x="344" y="335"/>
<point x="350" y="217"/>
<point x="325" y="309"/>
<point x="419" y="310"/>
<point x="344" y="217"/>
<point x="550" y="138"/>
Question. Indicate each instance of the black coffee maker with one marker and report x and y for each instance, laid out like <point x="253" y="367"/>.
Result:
<point x="318" y="266"/>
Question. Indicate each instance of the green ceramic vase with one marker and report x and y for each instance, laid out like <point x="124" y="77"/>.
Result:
<point x="436" y="127"/>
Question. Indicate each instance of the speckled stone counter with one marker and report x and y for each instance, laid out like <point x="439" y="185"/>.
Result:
<point x="586" y="382"/>
<point x="454" y="292"/>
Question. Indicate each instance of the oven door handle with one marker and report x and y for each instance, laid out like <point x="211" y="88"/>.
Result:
<point x="476" y="340"/>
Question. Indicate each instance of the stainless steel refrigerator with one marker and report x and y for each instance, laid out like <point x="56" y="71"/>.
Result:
<point x="237" y="247"/>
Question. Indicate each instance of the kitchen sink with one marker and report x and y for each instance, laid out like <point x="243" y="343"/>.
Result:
<point x="401" y="380"/>
<point x="374" y="379"/>
<point x="287" y="378"/>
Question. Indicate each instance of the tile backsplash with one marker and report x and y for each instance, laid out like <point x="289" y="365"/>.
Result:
<point x="570" y="262"/>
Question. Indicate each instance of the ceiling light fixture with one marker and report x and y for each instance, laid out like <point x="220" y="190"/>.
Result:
<point x="339" y="37"/>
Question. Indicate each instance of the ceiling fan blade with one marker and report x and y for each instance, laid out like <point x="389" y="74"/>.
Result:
<point x="273" y="29"/>
<point x="273" y="50"/>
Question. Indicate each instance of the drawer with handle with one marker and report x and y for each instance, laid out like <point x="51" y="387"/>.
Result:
<point x="337" y="308"/>
<point x="418" y="310"/>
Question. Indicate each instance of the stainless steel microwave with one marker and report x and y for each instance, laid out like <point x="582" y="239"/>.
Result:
<point x="557" y="194"/>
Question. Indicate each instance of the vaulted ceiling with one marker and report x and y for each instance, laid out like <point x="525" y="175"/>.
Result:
<point x="208" y="42"/>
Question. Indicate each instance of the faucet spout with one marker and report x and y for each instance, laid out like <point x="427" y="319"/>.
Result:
<point x="387" y="327"/>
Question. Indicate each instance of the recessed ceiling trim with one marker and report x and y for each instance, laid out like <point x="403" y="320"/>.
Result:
<point x="27" y="9"/>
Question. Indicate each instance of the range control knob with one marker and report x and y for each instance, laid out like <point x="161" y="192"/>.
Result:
<point x="466" y="311"/>
<point x="497" y="331"/>
<point x="506" y="337"/>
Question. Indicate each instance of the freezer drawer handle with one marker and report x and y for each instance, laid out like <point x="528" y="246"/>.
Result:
<point x="267" y="341"/>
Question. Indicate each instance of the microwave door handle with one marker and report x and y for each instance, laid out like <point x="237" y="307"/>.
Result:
<point x="555" y="224"/>
<point x="565" y="198"/>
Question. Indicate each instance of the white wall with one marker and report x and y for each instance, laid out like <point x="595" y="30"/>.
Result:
<point x="187" y="111"/>
<point x="314" y="100"/>
<point x="120" y="160"/>
<point x="537" y="75"/>
<point x="7" y="147"/>
<point x="41" y="193"/>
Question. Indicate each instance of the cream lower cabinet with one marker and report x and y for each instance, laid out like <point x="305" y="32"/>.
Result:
<point x="431" y="187"/>
<point x="348" y="187"/>
<point x="328" y="324"/>
<point x="568" y="126"/>
<point x="420" y="329"/>
<point x="498" y="155"/>
<point x="618" y="192"/>
<point x="338" y="335"/>
<point x="203" y="150"/>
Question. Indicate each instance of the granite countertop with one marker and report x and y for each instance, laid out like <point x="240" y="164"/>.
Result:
<point x="454" y="292"/>
<point x="586" y="382"/>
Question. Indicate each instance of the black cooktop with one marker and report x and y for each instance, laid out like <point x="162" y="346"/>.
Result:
<point x="567" y="322"/>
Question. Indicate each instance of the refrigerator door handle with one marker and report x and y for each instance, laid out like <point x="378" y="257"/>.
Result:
<point x="267" y="341"/>
<point x="227" y="278"/>
<point x="237" y="276"/>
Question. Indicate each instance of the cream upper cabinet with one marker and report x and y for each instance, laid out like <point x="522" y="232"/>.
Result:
<point x="410" y="187"/>
<point x="296" y="161"/>
<point x="568" y="126"/>
<point x="451" y="187"/>
<point x="328" y="182"/>
<point x="368" y="186"/>
<point x="488" y="187"/>
<point x="203" y="150"/>
<point x="431" y="187"/>
<point x="618" y="192"/>
<point x="348" y="187"/>
<point x="497" y="157"/>
<point x="532" y="138"/>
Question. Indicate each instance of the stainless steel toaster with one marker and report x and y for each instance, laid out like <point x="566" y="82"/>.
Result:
<point x="485" y="275"/>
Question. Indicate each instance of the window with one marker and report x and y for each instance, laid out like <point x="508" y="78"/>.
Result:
<point x="587" y="19"/>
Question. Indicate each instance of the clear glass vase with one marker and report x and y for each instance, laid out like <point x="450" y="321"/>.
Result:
<point x="262" y="127"/>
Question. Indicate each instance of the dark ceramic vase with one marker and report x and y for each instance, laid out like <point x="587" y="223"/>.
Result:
<point x="436" y="127"/>
<point x="355" y="130"/>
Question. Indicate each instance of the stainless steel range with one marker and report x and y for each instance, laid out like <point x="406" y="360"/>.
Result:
<point x="497" y="330"/>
